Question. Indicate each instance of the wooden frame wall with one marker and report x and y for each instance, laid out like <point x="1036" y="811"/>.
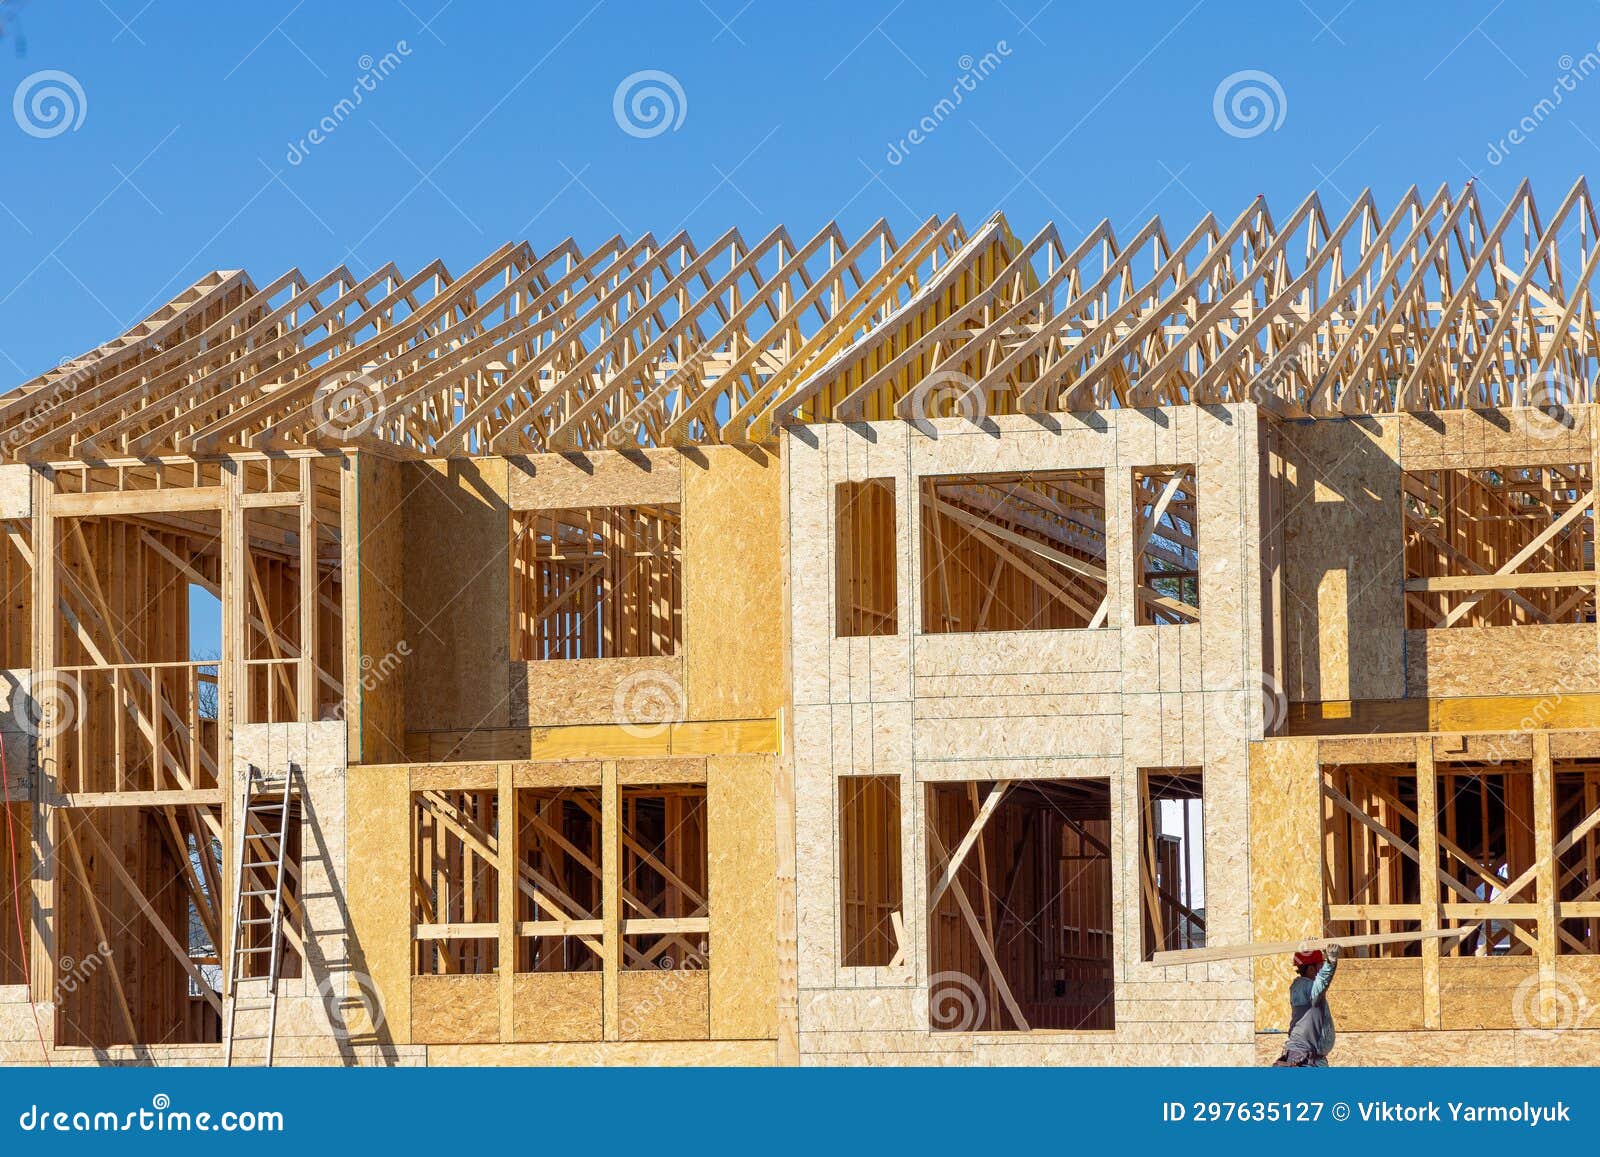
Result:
<point x="1502" y="546"/>
<point x="132" y="790"/>
<point x="641" y="909"/>
<point x="1490" y="847"/>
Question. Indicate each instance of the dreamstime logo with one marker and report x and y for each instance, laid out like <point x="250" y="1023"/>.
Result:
<point x="956" y="1003"/>
<point x="1550" y="1006"/>
<point x="363" y="991"/>
<point x="348" y="405"/>
<point x="43" y="700"/>
<point x="1550" y="397"/>
<point x="1248" y="103"/>
<point x="1238" y="716"/>
<point x="947" y="394"/>
<point x="648" y="103"/>
<point x="49" y="103"/>
<point x="646" y="703"/>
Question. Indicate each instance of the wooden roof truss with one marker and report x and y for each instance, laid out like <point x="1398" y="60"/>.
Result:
<point x="1435" y="303"/>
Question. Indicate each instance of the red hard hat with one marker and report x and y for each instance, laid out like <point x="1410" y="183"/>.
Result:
<point x="1301" y="959"/>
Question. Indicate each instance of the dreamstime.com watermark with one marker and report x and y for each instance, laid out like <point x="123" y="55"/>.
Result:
<point x="974" y="71"/>
<point x="1248" y="103"/>
<point x="1573" y="73"/>
<point x="646" y="703"/>
<point x="159" y="1117"/>
<point x="648" y="103"/>
<point x="1571" y="679"/>
<point x="374" y="674"/>
<point x="48" y="103"/>
<point x="373" y="73"/>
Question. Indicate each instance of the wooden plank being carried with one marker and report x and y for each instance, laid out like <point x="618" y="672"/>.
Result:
<point x="1315" y="944"/>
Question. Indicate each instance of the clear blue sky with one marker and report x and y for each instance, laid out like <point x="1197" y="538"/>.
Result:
<point x="496" y="122"/>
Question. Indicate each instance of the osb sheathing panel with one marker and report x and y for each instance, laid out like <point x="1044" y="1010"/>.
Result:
<point x="1285" y="862"/>
<point x="1366" y="994"/>
<point x="556" y="1006"/>
<point x="1343" y="568"/>
<point x="732" y="583"/>
<point x="1032" y="704"/>
<point x="1533" y="659"/>
<point x="562" y="481"/>
<point x="647" y="771"/>
<point x="457" y="593"/>
<point x="1482" y="993"/>
<point x="659" y="1004"/>
<point x="556" y="692"/>
<point x="380" y="553"/>
<point x="455" y="1009"/>
<point x="16" y="491"/>
<point x="379" y="888"/>
<point x="1463" y="439"/>
<point x="742" y="879"/>
<point x="1458" y="1049"/>
<point x="651" y="1053"/>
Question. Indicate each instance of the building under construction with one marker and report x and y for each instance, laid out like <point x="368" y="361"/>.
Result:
<point x="857" y="648"/>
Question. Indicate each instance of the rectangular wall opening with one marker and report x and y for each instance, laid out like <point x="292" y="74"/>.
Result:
<point x="1166" y="546"/>
<point x="1499" y="546"/>
<point x="16" y="579"/>
<point x="1020" y="896"/>
<point x="456" y="881"/>
<point x="1172" y="890"/>
<point x="559" y="865"/>
<point x="871" y="916"/>
<point x="272" y="597"/>
<point x="1483" y="860"/>
<point x="1577" y="802"/>
<point x="137" y="710"/>
<point x="596" y="583"/>
<point x="1371" y="886"/>
<point x="865" y="585"/>
<point x="664" y="867"/>
<point x="136" y="923"/>
<point x="1014" y="552"/>
<point x="1486" y="848"/>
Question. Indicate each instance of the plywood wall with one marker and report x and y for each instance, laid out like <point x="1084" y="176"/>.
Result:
<point x="1344" y="600"/>
<point x="1038" y="704"/>
<point x="729" y="664"/>
<point x="457" y="593"/>
<point x="1285" y="863"/>
<point x="733" y="584"/>
<point x="375" y="548"/>
<point x="1343" y="528"/>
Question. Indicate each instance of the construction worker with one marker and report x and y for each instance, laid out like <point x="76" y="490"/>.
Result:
<point x="1311" y="1033"/>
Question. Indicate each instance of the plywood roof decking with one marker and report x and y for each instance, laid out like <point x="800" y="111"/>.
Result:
<point x="1437" y="302"/>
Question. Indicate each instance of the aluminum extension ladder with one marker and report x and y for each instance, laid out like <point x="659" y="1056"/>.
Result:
<point x="264" y="821"/>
